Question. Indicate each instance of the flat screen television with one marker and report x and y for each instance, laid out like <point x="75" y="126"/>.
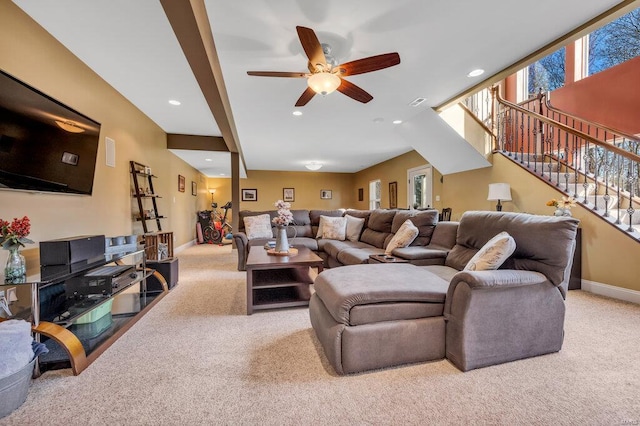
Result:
<point x="45" y="146"/>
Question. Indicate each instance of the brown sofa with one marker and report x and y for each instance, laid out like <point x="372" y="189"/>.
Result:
<point x="431" y="246"/>
<point x="377" y="316"/>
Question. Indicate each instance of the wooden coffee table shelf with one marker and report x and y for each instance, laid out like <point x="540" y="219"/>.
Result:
<point x="279" y="281"/>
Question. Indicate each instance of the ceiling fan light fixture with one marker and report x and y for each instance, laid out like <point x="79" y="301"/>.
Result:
<point x="323" y="82"/>
<point x="313" y="166"/>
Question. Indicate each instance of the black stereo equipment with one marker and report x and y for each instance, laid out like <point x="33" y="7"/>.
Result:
<point x="66" y="251"/>
<point x="103" y="281"/>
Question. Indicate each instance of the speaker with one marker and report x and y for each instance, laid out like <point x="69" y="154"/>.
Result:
<point x="66" y="251"/>
<point x="168" y="268"/>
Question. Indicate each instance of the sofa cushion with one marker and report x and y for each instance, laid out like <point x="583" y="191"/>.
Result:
<point x="424" y="220"/>
<point x="403" y="237"/>
<point x="249" y="213"/>
<point x="334" y="247"/>
<point x="314" y="217"/>
<point x="332" y="228"/>
<point x="376" y="287"/>
<point x="301" y="223"/>
<point x="357" y="256"/>
<point x="544" y="244"/>
<point x="378" y="230"/>
<point x="354" y="227"/>
<point x="420" y="253"/>
<point x="492" y="254"/>
<point x="258" y="226"/>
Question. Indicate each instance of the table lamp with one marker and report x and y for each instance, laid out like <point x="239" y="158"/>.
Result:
<point x="500" y="192"/>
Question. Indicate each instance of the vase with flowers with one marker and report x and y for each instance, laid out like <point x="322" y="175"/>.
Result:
<point x="14" y="235"/>
<point x="563" y="206"/>
<point x="281" y="221"/>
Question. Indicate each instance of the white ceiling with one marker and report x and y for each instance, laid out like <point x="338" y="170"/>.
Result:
<point x="131" y="45"/>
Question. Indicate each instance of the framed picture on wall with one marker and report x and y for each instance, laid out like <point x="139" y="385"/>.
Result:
<point x="249" y="195"/>
<point x="180" y="183"/>
<point x="360" y="194"/>
<point x="393" y="195"/>
<point x="194" y="188"/>
<point x="325" y="194"/>
<point x="288" y="194"/>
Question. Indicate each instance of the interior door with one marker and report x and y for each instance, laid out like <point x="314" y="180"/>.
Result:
<point x="419" y="187"/>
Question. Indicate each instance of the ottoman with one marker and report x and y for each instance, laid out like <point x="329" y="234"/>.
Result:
<point x="376" y="316"/>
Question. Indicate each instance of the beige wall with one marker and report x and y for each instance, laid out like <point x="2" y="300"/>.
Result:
<point x="32" y="55"/>
<point x="393" y="170"/>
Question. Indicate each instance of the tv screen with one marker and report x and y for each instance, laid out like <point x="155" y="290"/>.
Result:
<point x="44" y="145"/>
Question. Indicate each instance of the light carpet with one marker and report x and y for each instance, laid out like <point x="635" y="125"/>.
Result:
<point x="197" y="358"/>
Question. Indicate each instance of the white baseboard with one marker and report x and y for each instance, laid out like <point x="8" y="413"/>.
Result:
<point x="614" y="292"/>
<point x="185" y="246"/>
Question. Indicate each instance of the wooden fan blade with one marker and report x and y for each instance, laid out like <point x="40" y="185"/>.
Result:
<point x="354" y="92"/>
<point x="306" y="97"/>
<point x="277" y="74"/>
<point x="311" y="47"/>
<point x="372" y="63"/>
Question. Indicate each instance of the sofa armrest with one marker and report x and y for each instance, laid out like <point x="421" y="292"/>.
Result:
<point x="444" y="235"/>
<point x="499" y="316"/>
<point x="242" y="244"/>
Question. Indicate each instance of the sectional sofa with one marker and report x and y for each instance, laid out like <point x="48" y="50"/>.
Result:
<point x="440" y="304"/>
<point x="431" y="246"/>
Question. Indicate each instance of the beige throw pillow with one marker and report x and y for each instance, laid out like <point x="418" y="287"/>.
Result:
<point x="493" y="253"/>
<point x="258" y="226"/>
<point x="354" y="227"/>
<point x="332" y="228"/>
<point x="405" y="236"/>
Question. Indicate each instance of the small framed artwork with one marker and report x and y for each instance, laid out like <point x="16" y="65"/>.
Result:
<point x="180" y="183"/>
<point x="288" y="194"/>
<point x="393" y="195"/>
<point x="249" y="195"/>
<point x="194" y="188"/>
<point x="360" y="194"/>
<point x="325" y="194"/>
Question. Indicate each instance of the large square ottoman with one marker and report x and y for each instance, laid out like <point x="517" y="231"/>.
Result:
<point x="375" y="316"/>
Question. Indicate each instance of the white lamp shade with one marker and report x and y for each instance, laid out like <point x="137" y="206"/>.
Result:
<point x="323" y="83"/>
<point x="499" y="191"/>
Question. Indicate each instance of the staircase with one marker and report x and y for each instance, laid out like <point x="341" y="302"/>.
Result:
<point x="598" y="166"/>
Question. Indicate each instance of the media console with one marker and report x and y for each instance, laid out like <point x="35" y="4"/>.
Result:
<point x="79" y="310"/>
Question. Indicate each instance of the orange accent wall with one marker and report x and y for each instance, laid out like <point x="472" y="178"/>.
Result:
<point x="609" y="97"/>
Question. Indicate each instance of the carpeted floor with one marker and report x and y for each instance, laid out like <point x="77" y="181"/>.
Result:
<point x="196" y="358"/>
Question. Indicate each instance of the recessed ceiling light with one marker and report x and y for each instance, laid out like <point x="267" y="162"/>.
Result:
<point x="174" y="102"/>
<point x="476" y="73"/>
<point x="397" y="121"/>
<point x="222" y="174"/>
<point x="297" y="112"/>
<point x="208" y="159"/>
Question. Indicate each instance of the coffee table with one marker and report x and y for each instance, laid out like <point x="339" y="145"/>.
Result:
<point x="279" y="281"/>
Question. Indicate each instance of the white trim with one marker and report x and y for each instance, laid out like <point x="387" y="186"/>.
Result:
<point x="614" y="292"/>
<point x="185" y="246"/>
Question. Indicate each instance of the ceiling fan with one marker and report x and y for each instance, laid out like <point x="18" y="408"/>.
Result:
<point x="324" y="77"/>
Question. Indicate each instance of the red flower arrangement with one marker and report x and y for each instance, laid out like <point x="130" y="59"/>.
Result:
<point x="14" y="234"/>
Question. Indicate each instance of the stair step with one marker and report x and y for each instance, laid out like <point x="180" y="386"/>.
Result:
<point x="624" y="216"/>
<point x="571" y="189"/>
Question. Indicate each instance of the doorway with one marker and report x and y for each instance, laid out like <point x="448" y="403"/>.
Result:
<point x="419" y="187"/>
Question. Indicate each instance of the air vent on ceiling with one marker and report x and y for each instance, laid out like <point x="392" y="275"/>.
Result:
<point x="417" y="101"/>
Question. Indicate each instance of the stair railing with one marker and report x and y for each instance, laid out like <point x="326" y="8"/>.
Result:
<point x="573" y="160"/>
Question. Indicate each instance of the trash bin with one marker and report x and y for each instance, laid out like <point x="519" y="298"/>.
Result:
<point x="14" y="387"/>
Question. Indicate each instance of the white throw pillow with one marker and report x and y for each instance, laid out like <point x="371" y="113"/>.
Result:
<point x="354" y="227"/>
<point x="332" y="228"/>
<point x="258" y="226"/>
<point x="405" y="236"/>
<point x="493" y="253"/>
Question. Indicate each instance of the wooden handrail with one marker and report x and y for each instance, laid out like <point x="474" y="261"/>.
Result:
<point x="586" y="137"/>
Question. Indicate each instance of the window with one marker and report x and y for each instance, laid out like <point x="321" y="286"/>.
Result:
<point x="374" y="194"/>
<point x="547" y="74"/>
<point x="419" y="187"/>
<point x="615" y="43"/>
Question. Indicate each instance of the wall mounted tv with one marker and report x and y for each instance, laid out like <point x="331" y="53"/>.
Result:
<point x="45" y="146"/>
